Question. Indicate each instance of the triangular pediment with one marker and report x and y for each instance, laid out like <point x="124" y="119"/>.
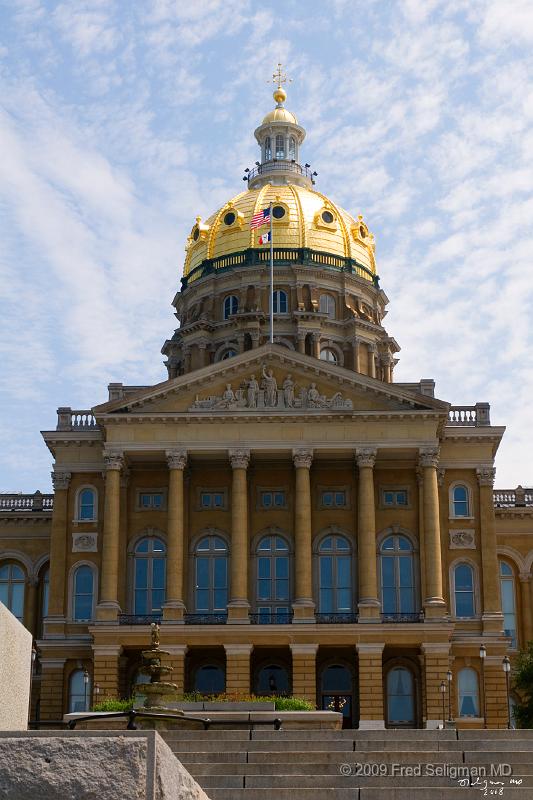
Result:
<point x="270" y="380"/>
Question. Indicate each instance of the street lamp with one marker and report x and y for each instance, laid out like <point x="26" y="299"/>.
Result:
<point x="442" y="689"/>
<point x="85" y="686"/>
<point x="482" y="656"/>
<point x="506" y="666"/>
<point x="449" y="677"/>
<point x="96" y="691"/>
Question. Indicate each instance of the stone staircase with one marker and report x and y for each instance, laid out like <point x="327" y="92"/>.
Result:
<point x="356" y="765"/>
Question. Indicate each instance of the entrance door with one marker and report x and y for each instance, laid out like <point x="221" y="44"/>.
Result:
<point x="337" y="692"/>
<point x="400" y="698"/>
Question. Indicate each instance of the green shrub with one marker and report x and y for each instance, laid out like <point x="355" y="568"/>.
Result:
<point x="282" y="703"/>
<point x="293" y="704"/>
<point x="113" y="704"/>
<point x="523" y="684"/>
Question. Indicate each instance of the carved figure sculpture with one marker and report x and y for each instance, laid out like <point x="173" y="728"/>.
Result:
<point x="288" y="391"/>
<point x="270" y="385"/>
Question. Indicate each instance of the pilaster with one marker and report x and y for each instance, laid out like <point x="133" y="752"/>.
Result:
<point x="174" y="607"/>
<point x="238" y="668"/>
<point x="492" y="611"/>
<point x="370" y="670"/>
<point x="106" y="669"/>
<point x="239" y="606"/>
<point x="434" y="605"/>
<point x="108" y="608"/>
<point x="52" y="692"/>
<point x="304" y="671"/>
<point x="436" y="665"/>
<point x="55" y="620"/>
<point x="303" y="605"/>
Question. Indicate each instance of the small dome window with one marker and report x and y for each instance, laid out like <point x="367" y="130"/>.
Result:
<point x="327" y="217"/>
<point x="292" y="148"/>
<point x="268" y="149"/>
<point x="229" y="218"/>
<point x="280" y="146"/>
<point x="328" y="355"/>
<point x="196" y="233"/>
<point x="278" y="212"/>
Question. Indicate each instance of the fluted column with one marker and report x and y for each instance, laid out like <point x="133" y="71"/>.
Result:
<point x="301" y="342"/>
<point x="303" y="605"/>
<point x="238" y="607"/>
<point x="525" y="598"/>
<point x="434" y="604"/>
<point x="108" y="607"/>
<point x="58" y="550"/>
<point x="372" y="360"/>
<point x="174" y="607"/>
<point x="492" y="607"/>
<point x="369" y="605"/>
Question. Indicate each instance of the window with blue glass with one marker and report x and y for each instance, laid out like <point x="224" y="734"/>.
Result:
<point x="394" y="498"/>
<point x="209" y="679"/>
<point x="292" y="148"/>
<point x="333" y="498"/>
<point x="463" y="575"/>
<point x="83" y="594"/>
<point x="231" y="306"/>
<point x="79" y="691"/>
<point x="211" y="573"/>
<point x="214" y="499"/>
<point x="151" y="500"/>
<point x="149" y="576"/>
<point x="400" y="697"/>
<point x="335" y="575"/>
<point x="281" y="303"/>
<point x="467" y="683"/>
<point x="274" y="498"/>
<point x="273" y="583"/>
<point x="460" y="501"/>
<point x="87" y="504"/>
<point x="12" y="582"/>
<point x="507" y="589"/>
<point x="397" y="569"/>
<point x="268" y="149"/>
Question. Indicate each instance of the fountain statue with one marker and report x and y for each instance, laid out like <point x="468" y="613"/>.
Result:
<point x="158" y="692"/>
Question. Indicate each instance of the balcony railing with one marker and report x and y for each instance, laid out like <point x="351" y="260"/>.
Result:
<point x="274" y="618"/>
<point x="206" y="619"/>
<point x="280" y="165"/>
<point x="469" y="416"/>
<point x="513" y="498"/>
<point x="336" y="619"/>
<point x="416" y="617"/>
<point x="26" y="502"/>
<point x="138" y="619"/>
<point x="69" y="419"/>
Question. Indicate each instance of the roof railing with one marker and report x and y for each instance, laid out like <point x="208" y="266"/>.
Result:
<point x="20" y="503"/>
<point x="513" y="498"/>
<point x="469" y="416"/>
<point x="69" y="419"/>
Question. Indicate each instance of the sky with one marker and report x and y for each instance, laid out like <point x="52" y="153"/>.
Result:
<point x="122" y="120"/>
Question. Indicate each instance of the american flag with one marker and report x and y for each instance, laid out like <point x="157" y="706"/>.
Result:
<point x="260" y="218"/>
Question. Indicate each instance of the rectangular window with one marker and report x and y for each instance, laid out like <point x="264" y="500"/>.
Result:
<point x="394" y="498"/>
<point x="212" y="499"/>
<point x="333" y="498"/>
<point x="151" y="501"/>
<point x="272" y="498"/>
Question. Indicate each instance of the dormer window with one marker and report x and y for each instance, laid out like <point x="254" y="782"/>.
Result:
<point x="268" y="149"/>
<point x="280" y="146"/>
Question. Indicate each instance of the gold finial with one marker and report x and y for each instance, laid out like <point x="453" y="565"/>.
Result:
<point x="279" y="77"/>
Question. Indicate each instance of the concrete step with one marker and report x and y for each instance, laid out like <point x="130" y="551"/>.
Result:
<point x="267" y="756"/>
<point x="200" y="769"/>
<point x="320" y="782"/>
<point x="422" y="793"/>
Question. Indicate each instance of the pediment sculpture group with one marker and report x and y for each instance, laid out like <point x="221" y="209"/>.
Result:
<point x="266" y="394"/>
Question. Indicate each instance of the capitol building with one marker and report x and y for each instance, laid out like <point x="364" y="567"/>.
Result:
<point x="299" y="521"/>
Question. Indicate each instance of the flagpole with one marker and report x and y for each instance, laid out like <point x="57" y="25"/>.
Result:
<point x="271" y="280"/>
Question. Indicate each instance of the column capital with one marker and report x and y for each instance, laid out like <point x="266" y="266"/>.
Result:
<point x="176" y="459"/>
<point x="239" y="459"/>
<point x="524" y="577"/>
<point x="60" y="479"/>
<point x="486" y="474"/>
<point x="428" y="456"/>
<point x="124" y="477"/>
<point x="113" y="461"/>
<point x="366" y="456"/>
<point x="302" y="458"/>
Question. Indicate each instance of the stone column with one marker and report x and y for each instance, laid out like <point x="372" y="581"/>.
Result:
<point x="123" y="538"/>
<point x="316" y="345"/>
<point x="371" y="714"/>
<point x="436" y="664"/>
<point x="58" y="552"/>
<point x="303" y="605"/>
<point x="106" y="669"/>
<point x="421" y="534"/>
<point x="525" y="597"/>
<point x="239" y="606"/>
<point x="238" y="668"/>
<point x="52" y="670"/>
<point x="372" y="360"/>
<point x="108" y="608"/>
<point x="30" y="605"/>
<point x="176" y="660"/>
<point x="304" y="671"/>
<point x="174" y="607"/>
<point x="369" y="604"/>
<point x="356" y="357"/>
<point x="492" y="608"/>
<point x="301" y="343"/>
<point x="434" y="604"/>
<point x="203" y="354"/>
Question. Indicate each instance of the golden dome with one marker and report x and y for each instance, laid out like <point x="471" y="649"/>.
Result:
<point x="280" y="113"/>
<point x="306" y="219"/>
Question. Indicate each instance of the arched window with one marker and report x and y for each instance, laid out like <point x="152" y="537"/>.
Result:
<point x="149" y="576"/>
<point x="83" y="594"/>
<point x="79" y="691"/>
<point x="268" y="149"/>
<point x="292" y="148"/>
<point x="209" y="679"/>
<point x="86" y="505"/>
<point x="273" y="679"/>
<point x="230" y="353"/>
<point x="327" y="305"/>
<point x="211" y="570"/>
<point x="507" y="589"/>
<point x="280" y="146"/>
<point x="463" y="575"/>
<point x="272" y="579"/>
<point x="326" y="354"/>
<point x="460" y="501"/>
<point x="12" y="582"/>
<point x="281" y="305"/>
<point x="400" y="697"/>
<point x="335" y="575"/>
<point x="231" y="306"/>
<point x="398" y="589"/>
<point x="468" y="693"/>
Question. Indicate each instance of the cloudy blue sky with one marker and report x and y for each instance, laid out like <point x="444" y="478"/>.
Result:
<point x="121" y="120"/>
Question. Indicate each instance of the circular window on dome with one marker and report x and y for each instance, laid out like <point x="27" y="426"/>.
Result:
<point x="278" y="212"/>
<point x="327" y="217"/>
<point x="196" y="234"/>
<point x="229" y="218"/>
<point x="362" y="232"/>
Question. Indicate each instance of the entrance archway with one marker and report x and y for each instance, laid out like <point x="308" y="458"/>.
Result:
<point x="337" y="691"/>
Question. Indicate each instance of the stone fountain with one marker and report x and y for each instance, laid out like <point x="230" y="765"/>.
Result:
<point x="158" y="692"/>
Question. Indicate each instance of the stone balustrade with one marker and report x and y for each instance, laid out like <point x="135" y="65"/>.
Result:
<point x="467" y="416"/>
<point x="513" y="498"/>
<point x="26" y="502"/>
<point x="69" y="419"/>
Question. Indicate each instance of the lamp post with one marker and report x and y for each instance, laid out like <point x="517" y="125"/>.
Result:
<point x="442" y="689"/>
<point x="96" y="692"/>
<point x="85" y="686"/>
<point x="482" y="656"/>
<point x="449" y="677"/>
<point x="506" y="666"/>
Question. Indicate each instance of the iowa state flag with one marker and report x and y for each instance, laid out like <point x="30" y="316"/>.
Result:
<point x="264" y="239"/>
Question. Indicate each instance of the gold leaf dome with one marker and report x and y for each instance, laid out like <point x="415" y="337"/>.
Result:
<point x="280" y="114"/>
<point x="304" y="218"/>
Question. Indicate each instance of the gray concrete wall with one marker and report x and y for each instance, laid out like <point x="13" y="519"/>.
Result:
<point x="15" y="672"/>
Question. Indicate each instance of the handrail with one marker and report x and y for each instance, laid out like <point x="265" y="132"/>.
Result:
<point x="134" y="714"/>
